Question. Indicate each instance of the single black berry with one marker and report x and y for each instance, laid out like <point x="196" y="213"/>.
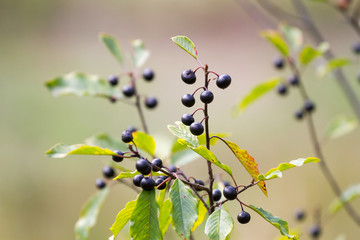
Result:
<point x="173" y="169"/>
<point x="148" y="74"/>
<point x="243" y="217"/>
<point x="147" y="183"/>
<point x="216" y="194"/>
<point x="159" y="181"/>
<point x="356" y="48"/>
<point x="137" y="179"/>
<point x="230" y="193"/>
<point x="294" y="80"/>
<point x="199" y="182"/>
<point x="143" y="166"/>
<point x="223" y="81"/>
<point x="188" y="76"/>
<point x="206" y="96"/>
<point x="188" y="100"/>
<point x="187" y="119"/>
<point x="309" y="106"/>
<point x="315" y="231"/>
<point x="299" y="114"/>
<point x="196" y="128"/>
<point x="113" y="99"/>
<point x="108" y="172"/>
<point x="282" y="89"/>
<point x="279" y="62"/>
<point x="128" y="91"/>
<point x="100" y="183"/>
<point x="113" y="80"/>
<point x="151" y="102"/>
<point x="118" y="158"/>
<point x="127" y="136"/>
<point x="163" y="177"/>
<point x="131" y="129"/>
<point x="157" y="162"/>
<point x="299" y="214"/>
<point x="226" y="183"/>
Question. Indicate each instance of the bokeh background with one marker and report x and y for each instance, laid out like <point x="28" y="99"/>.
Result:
<point x="40" y="198"/>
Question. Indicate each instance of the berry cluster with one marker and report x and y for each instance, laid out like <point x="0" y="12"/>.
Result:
<point x="315" y="228"/>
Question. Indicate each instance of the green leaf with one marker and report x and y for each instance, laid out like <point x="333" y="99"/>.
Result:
<point x="219" y="225"/>
<point x="257" y="92"/>
<point x="277" y="172"/>
<point x="122" y="218"/>
<point x="184" y="211"/>
<point x="333" y="65"/>
<point x="201" y="216"/>
<point x="133" y="174"/>
<point x="183" y="132"/>
<point x="113" y="46"/>
<point x="80" y="84"/>
<point x="164" y="216"/>
<point x="292" y="35"/>
<point x="144" y="222"/>
<point x="340" y="126"/>
<point x="308" y="54"/>
<point x="103" y="140"/>
<point x="248" y="163"/>
<point x="62" y="150"/>
<point x="89" y="213"/>
<point x="186" y="44"/>
<point x="141" y="54"/>
<point x="347" y="196"/>
<point x="145" y="142"/>
<point x="277" y="41"/>
<point x="277" y="222"/>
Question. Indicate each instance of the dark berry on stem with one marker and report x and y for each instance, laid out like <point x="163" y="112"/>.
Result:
<point x="113" y="80"/>
<point x="128" y="91"/>
<point x="108" y="172"/>
<point x="309" y="106"/>
<point x="188" y="100"/>
<point x="279" y="63"/>
<point x="294" y="80"/>
<point x="230" y="193"/>
<point x="143" y="166"/>
<point x="173" y="169"/>
<point x="127" y="136"/>
<point x="137" y="179"/>
<point x="282" y="89"/>
<point x="188" y="76"/>
<point x="356" y="48"/>
<point x="163" y="177"/>
<point x="196" y="128"/>
<point x="148" y="74"/>
<point x="300" y="214"/>
<point x="157" y="162"/>
<point x="206" y="96"/>
<point x="159" y="181"/>
<point x="199" y="182"/>
<point x="226" y="183"/>
<point x="299" y="114"/>
<point x="223" y="81"/>
<point x="118" y="158"/>
<point x="147" y="183"/>
<point x="151" y="102"/>
<point x="243" y="217"/>
<point x="315" y="231"/>
<point x="100" y="183"/>
<point x="216" y="194"/>
<point x="113" y="99"/>
<point x="187" y="119"/>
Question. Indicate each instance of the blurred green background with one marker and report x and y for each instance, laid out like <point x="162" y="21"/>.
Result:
<point x="40" y="198"/>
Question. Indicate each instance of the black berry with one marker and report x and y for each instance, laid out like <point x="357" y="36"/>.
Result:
<point x="216" y="194"/>
<point x="113" y="80"/>
<point x="243" y="217"/>
<point x="315" y="231"/>
<point x="299" y="114"/>
<point x="113" y="99"/>
<point x="173" y="169"/>
<point x="300" y="214"/>
<point x="356" y="48"/>
<point x="230" y="193"/>
<point x="309" y="106"/>
<point x="159" y="181"/>
<point x="151" y="102"/>
<point x="187" y="119"/>
<point x="199" y="182"/>
<point x="188" y="76"/>
<point x="294" y="80"/>
<point x="137" y="179"/>
<point x="118" y="158"/>
<point x="127" y="136"/>
<point x="279" y="63"/>
<point x="226" y="183"/>
<point x="206" y="96"/>
<point x="147" y="183"/>
<point x="196" y="128"/>
<point x="100" y="183"/>
<point x="188" y="100"/>
<point x="223" y="81"/>
<point x="282" y="89"/>
<point x="157" y="162"/>
<point x="148" y="74"/>
<point x="108" y="172"/>
<point x="143" y="166"/>
<point x="128" y="91"/>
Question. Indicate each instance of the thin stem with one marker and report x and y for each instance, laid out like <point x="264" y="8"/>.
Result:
<point x="138" y="105"/>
